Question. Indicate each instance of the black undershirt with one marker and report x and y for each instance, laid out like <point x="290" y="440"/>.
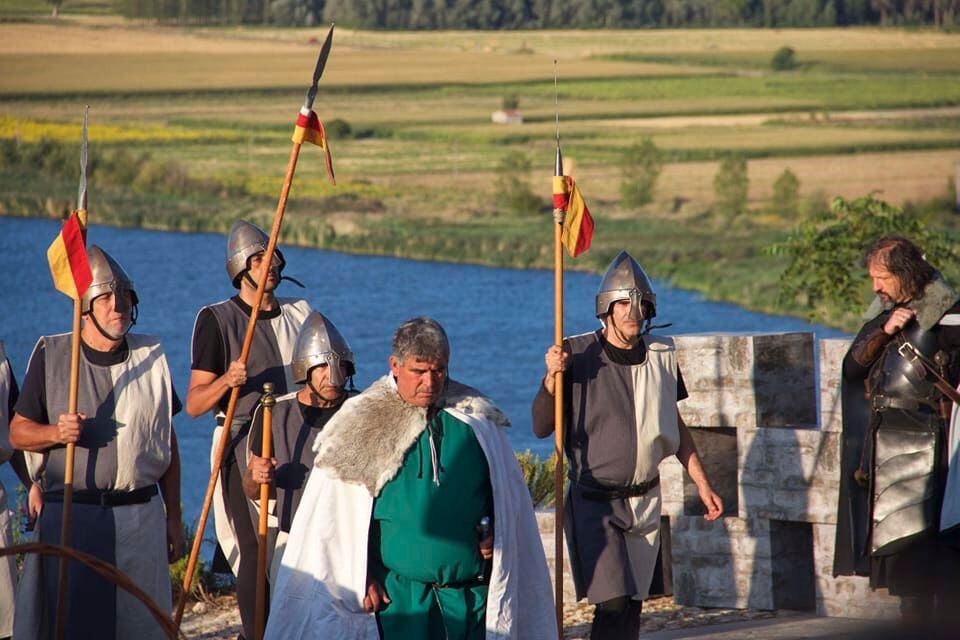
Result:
<point x="208" y="350"/>
<point x="638" y="355"/>
<point x="32" y="403"/>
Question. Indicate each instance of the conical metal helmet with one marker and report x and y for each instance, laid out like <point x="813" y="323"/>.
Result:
<point x="108" y="277"/>
<point x="626" y="280"/>
<point x="245" y="241"/>
<point x="319" y="343"/>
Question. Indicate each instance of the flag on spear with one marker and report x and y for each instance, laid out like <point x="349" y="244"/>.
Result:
<point x="577" y="223"/>
<point x="67" y="256"/>
<point x="310" y="129"/>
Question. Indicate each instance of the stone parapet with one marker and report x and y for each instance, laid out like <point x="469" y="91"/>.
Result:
<point x="748" y="380"/>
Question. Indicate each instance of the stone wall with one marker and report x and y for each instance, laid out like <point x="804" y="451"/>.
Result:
<point x="769" y="434"/>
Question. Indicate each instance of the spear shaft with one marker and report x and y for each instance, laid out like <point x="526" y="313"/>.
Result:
<point x="247" y="342"/>
<point x="558" y="215"/>
<point x="70" y="453"/>
<point x="267" y="403"/>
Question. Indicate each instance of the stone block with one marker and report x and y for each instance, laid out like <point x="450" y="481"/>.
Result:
<point x="846" y="596"/>
<point x="724" y="563"/>
<point x="717" y="447"/>
<point x="831" y="353"/>
<point x="788" y="474"/>
<point x="748" y="380"/>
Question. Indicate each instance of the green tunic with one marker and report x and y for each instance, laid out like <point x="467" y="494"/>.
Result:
<point x="423" y="538"/>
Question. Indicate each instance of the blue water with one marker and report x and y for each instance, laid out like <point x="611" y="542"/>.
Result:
<point x="500" y="321"/>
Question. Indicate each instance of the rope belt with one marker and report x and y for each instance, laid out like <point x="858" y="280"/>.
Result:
<point x="605" y="494"/>
<point x="106" y="498"/>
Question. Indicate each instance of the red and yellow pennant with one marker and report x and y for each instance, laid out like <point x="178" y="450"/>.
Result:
<point x="67" y="256"/>
<point x="577" y="223"/>
<point x="310" y="129"/>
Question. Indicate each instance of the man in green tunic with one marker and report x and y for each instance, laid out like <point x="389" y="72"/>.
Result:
<point x="434" y="534"/>
<point x="426" y="560"/>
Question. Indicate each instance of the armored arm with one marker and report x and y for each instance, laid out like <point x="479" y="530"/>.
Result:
<point x="866" y="349"/>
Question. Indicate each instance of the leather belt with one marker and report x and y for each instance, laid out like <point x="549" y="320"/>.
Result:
<point x="619" y="493"/>
<point x="106" y="498"/>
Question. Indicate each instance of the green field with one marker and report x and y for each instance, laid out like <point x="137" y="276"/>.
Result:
<point x="865" y="110"/>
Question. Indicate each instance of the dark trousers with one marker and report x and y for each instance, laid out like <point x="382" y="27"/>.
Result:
<point x="616" y="619"/>
<point x="238" y="510"/>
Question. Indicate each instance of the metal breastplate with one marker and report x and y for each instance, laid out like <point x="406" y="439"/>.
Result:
<point x="905" y="444"/>
<point x="895" y="382"/>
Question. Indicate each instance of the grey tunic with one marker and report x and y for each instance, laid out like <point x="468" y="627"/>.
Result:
<point x="621" y="422"/>
<point x="125" y="445"/>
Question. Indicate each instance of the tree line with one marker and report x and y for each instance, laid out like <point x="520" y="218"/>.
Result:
<point x="541" y="14"/>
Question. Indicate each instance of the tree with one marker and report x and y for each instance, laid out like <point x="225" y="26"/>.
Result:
<point x="56" y="7"/>
<point x="786" y="195"/>
<point x="513" y="192"/>
<point x="825" y="272"/>
<point x="783" y="59"/>
<point x="730" y="186"/>
<point x="641" y="166"/>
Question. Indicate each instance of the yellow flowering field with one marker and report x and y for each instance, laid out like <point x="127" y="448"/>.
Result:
<point x="30" y="130"/>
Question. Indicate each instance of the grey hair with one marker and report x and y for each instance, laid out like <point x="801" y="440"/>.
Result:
<point x="421" y="338"/>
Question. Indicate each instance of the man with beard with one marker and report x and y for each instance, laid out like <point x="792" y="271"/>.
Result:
<point x="416" y="521"/>
<point x="621" y="388"/>
<point x="216" y="369"/>
<point x="125" y="447"/>
<point x="322" y="363"/>
<point x="895" y="458"/>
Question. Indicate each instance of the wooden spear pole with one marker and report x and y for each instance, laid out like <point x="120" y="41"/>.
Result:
<point x="558" y="420"/>
<point x="235" y="391"/>
<point x="558" y="477"/>
<point x="68" y="476"/>
<point x="248" y="338"/>
<point x="265" y="451"/>
<point x="70" y="453"/>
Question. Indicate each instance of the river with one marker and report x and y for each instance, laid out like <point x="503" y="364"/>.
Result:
<point x="500" y="321"/>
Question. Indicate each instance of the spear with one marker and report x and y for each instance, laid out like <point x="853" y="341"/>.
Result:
<point x="267" y="403"/>
<point x="573" y="230"/>
<point x="79" y="288"/>
<point x="308" y="129"/>
<point x="559" y="214"/>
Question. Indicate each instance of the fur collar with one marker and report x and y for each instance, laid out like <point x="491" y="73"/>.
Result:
<point x="365" y="442"/>
<point x="937" y="298"/>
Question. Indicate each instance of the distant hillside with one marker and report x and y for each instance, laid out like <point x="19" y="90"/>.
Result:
<point x="540" y="14"/>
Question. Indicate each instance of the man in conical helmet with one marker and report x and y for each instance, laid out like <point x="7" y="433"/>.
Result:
<point x="621" y="387"/>
<point x="322" y="363"/>
<point x="218" y="337"/>
<point x="126" y="500"/>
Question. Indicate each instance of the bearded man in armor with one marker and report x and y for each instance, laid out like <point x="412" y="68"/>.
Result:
<point x="125" y="447"/>
<point x="621" y="388"/>
<point x="899" y="506"/>
<point x="416" y="522"/>
<point x="322" y="363"/>
<point x="218" y="336"/>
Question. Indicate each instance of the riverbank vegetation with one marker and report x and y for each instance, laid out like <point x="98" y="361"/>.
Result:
<point x="190" y="129"/>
